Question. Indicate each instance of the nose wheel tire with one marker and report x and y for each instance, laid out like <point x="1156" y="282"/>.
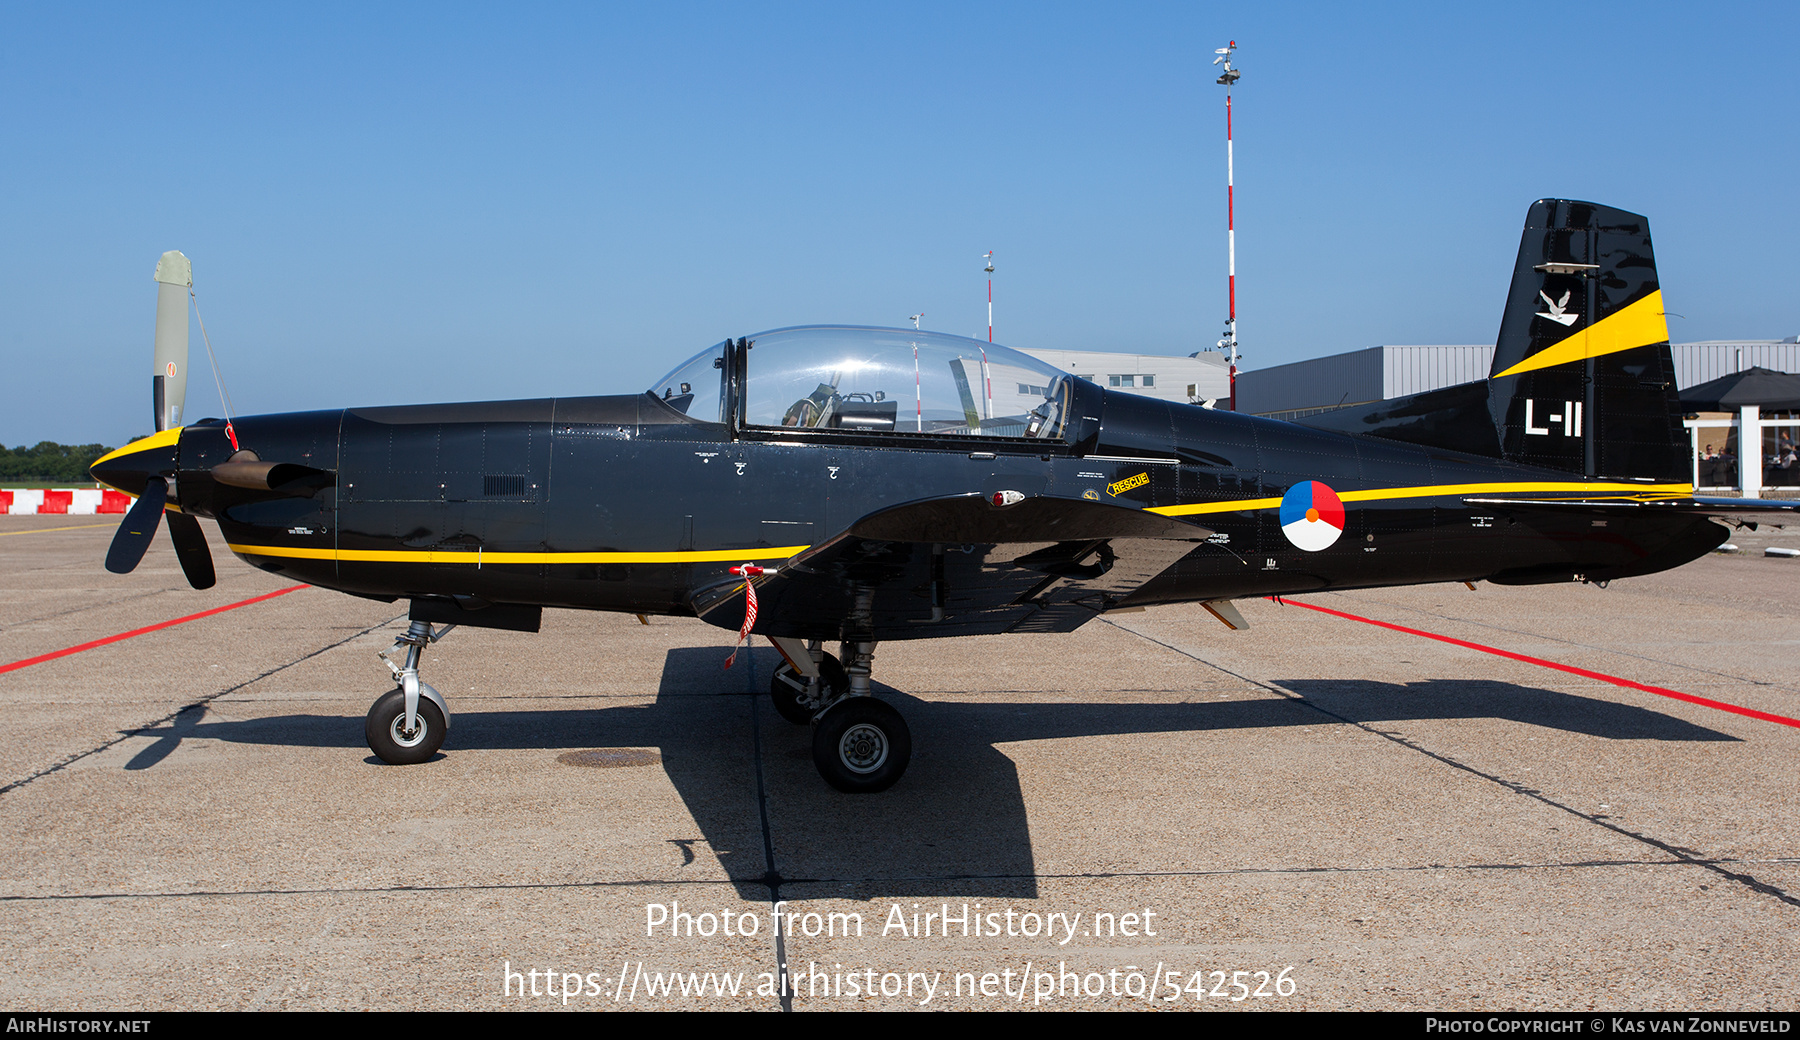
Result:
<point x="861" y="746"/>
<point x="389" y="738"/>
<point x="788" y="690"/>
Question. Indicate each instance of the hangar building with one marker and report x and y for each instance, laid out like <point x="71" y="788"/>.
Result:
<point x="1304" y="388"/>
<point x="1194" y="379"/>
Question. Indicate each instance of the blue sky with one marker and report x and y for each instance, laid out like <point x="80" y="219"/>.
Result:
<point x="393" y="203"/>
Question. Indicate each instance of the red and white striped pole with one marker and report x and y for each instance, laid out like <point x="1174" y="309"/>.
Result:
<point x="989" y="257"/>
<point x="1230" y="250"/>
<point x="1230" y="343"/>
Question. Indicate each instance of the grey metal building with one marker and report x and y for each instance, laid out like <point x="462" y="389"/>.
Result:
<point x="1697" y="363"/>
<point x="1194" y="379"/>
<point x="1358" y="377"/>
<point x="1377" y="373"/>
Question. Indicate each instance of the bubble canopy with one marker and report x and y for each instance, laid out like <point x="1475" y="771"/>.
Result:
<point x="838" y="377"/>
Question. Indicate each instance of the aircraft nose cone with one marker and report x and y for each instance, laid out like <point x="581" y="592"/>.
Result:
<point x="131" y="467"/>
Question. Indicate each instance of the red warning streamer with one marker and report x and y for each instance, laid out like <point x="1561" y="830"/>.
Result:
<point x="747" y="571"/>
<point x="1660" y="691"/>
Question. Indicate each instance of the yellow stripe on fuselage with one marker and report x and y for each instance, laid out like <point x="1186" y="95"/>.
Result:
<point x="482" y="557"/>
<point x="1609" y="489"/>
<point x="1637" y="325"/>
<point x="1600" y="489"/>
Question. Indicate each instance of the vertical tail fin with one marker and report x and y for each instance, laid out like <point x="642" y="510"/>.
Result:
<point x="1583" y="380"/>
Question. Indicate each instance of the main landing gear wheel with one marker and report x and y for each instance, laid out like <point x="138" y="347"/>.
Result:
<point x="389" y="738"/>
<point x="798" y="701"/>
<point x="861" y="746"/>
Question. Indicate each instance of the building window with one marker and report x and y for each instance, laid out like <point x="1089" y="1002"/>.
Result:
<point x="1130" y="380"/>
<point x="1149" y="380"/>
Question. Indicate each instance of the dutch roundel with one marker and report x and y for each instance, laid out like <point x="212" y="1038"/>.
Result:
<point x="1312" y="516"/>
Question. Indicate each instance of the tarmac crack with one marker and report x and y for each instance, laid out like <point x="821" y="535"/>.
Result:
<point x="124" y="735"/>
<point x="1098" y="875"/>
<point x="467" y="886"/>
<point x="771" y="877"/>
<point x="1684" y="855"/>
<point x="91" y="606"/>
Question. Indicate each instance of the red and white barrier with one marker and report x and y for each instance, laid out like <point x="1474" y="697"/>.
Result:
<point x="62" y="501"/>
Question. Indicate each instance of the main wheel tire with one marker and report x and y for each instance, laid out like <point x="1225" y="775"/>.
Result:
<point x="861" y="746"/>
<point x="387" y="734"/>
<point x="793" y="704"/>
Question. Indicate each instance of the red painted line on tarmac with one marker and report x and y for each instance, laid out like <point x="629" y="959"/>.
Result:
<point x="54" y="654"/>
<point x="1660" y="691"/>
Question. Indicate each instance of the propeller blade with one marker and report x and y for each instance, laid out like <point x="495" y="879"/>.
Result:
<point x="174" y="276"/>
<point x="191" y="550"/>
<point x="138" y="527"/>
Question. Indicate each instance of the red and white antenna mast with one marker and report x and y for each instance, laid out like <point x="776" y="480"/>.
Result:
<point x="989" y="257"/>
<point x="1229" y="344"/>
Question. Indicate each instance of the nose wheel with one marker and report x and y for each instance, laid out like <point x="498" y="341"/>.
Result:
<point x="397" y="742"/>
<point x="407" y="724"/>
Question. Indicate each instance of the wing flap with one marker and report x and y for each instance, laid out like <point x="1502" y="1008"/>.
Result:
<point x="961" y="566"/>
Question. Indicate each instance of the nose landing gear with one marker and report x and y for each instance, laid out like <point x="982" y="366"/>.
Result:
<point x="407" y="724"/>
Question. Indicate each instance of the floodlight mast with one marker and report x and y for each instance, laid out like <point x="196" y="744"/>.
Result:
<point x="1229" y="344"/>
<point x="989" y="257"/>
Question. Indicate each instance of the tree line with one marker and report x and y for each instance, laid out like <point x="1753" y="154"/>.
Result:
<point x="49" y="462"/>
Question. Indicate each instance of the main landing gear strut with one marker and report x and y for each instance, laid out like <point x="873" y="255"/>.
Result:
<point x="407" y="724"/>
<point x="860" y="745"/>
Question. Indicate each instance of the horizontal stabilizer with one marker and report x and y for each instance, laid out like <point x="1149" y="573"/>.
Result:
<point x="1601" y="539"/>
<point x="1752" y="511"/>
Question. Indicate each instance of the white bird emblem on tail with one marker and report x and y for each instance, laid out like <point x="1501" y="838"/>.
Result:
<point x="1557" y="314"/>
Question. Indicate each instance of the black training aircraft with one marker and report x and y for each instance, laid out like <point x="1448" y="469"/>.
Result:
<point x="831" y="484"/>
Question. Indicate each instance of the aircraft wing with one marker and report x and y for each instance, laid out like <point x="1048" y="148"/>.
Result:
<point x="961" y="566"/>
